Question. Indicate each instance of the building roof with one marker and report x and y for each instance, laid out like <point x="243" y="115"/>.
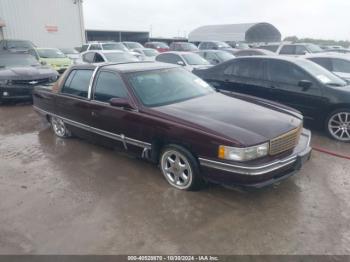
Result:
<point x="249" y="32"/>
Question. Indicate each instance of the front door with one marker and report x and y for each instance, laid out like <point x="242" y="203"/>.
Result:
<point x="284" y="80"/>
<point x="118" y="123"/>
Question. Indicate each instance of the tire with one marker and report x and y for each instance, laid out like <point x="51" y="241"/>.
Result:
<point x="180" y="168"/>
<point x="338" y="125"/>
<point x="59" y="127"/>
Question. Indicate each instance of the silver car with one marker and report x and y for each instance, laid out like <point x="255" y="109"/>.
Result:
<point x="104" y="56"/>
<point x="146" y="54"/>
<point x="189" y="61"/>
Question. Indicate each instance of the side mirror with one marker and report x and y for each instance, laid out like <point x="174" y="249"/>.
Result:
<point x="216" y="61"/>
<point x="180" y="63"/>
<point x="120" y="102"/>
<point x="305" y="84"/>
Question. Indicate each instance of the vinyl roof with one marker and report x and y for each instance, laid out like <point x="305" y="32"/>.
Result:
<point x="249" y="32"/>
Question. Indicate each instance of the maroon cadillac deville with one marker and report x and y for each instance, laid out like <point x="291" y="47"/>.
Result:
<point x="173" y="118"/>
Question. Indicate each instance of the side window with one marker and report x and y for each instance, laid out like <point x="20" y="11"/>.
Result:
<point x="98" y="58"/>
<point x="89" y="57"/>
<point x="95" y="47"/>
<point x="203" y="46"/>
<point x="168" y="58"/>
<point x="249" y="68"/>
<point x="288" y="50"/>
<point x="323" y="61"/>
<point x="77" y="83"/>
<point x="340" y="65"/>
<point x="300" y="50"/>
<point x="84" y="48"/>
<point x="284" y="72"/>
<point x="109" y="85"/>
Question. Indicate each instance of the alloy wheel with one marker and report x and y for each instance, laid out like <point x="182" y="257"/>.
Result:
<point x="339" y="126"/>
<point x="59" y="127"/>
<point x="176" y="169"/>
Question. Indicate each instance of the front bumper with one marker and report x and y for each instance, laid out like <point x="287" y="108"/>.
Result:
<point x="13" y="92"/>
<point x="259" y="175"/>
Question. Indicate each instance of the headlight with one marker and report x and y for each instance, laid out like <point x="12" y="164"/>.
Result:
<point x="53" y="78"/>
<point x="243" y="154"/>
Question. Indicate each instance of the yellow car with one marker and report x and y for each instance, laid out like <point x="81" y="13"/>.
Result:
<point x="55" y="58"/>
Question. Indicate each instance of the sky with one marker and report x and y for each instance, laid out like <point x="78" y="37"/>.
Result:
<point x="325" y="19"/>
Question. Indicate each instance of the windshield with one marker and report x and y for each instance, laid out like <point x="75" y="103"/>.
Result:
<point x="224" y="55"/>
<point x="222" y="44"/>
<point x="69" y="51"/>
<point x="163" y="87"/>
<point x="314" y="48"/>
<point x="189" y="47"/>
<point x="114" y="46"/>
<point x="194" y="59"/>
<point x="120" y="57"/>
<point x="150" y="52"/>
<point x="161" y="45"/>
<point x="18" y="44"/>
<point x="50" y="53"/>
<point x="17" y="60"/>
<point x="132" y="45"/>
<point x="323" y="75"/>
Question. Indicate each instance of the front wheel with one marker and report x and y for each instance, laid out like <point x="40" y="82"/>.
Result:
<point x="338" y="125"/>
<point x="180" y="168"/>
<point x="59" y="127"/>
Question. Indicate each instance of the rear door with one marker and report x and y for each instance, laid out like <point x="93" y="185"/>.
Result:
<point x="246" y="76"/>
<point x="72" y="103"/>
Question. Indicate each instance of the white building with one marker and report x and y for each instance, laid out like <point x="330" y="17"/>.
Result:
<point x="47" y="23"/>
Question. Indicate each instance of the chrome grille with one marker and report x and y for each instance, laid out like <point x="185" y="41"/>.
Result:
<point x="285" y="142"/>
<point x="31" y="82"/>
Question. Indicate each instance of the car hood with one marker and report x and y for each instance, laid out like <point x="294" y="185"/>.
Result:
<point x="26" y="73"/>
<point x="57" y="61"/>
<point x="343" y="75"/>
<point x="244" y="123"/>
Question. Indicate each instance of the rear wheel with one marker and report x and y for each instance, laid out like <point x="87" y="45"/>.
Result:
<point x="338" y="125"/>
<point x="59" y="127"/>
<point x="180" y="168"/>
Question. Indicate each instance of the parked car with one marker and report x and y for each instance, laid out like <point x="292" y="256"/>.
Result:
<point x="19" y="73"/>
<point x="215" y="57"/>
<point x="55" y="58"/>
<point x="188" y="60"/>
<point x="169" y="116"/>
<point x="183" y="46"/>
<point x="269" y="47"/>
<point x="104" y="46"/>
<point x="16" y="45"/>
<point x="339" y="51"/>
<point x="159" y="46"/>
<point x="320" y="95"/>
<point x="298" y="49"/>
<point x="72" y="54"/>
<point x="238" y="45"/>
<point x="132" y="45"/>
<point x="146" y="54"/>
<point x="215" y="45"/>
<point x="338" y="64"/>
<point x="253" y="52"/>
<point x="104" y="56"/>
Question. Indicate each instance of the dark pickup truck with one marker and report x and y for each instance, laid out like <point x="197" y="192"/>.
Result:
<point x="173" y="118"/>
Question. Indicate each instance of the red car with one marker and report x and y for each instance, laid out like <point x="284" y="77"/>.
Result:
<point x="159" y="46"/>
<point x="174" y="119"/>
